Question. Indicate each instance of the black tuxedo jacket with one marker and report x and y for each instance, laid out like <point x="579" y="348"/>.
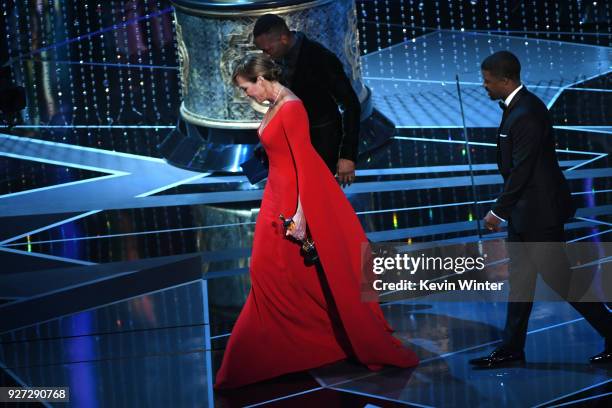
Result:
<point x="333" y="107"/>
<point x="536" y="194"/>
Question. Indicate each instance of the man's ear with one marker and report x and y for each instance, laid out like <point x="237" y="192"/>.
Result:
<point x="284" y="39"/>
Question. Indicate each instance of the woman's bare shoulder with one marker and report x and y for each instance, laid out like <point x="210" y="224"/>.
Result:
<point x="288" y="99"/>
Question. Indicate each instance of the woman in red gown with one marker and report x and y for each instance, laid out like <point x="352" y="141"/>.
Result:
<point x="298" y="317"/>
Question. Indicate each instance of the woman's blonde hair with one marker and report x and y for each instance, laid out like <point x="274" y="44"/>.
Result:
<point x="252" y="66"/>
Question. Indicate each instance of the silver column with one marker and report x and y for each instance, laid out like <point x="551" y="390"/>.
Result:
<point x="210" y="39"/>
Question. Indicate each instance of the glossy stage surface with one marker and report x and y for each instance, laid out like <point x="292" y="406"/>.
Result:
<point x="122" y="276"/>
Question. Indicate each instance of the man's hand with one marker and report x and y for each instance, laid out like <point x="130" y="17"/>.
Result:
<point x="345" y="172"/>
<point x="491" y="222"/>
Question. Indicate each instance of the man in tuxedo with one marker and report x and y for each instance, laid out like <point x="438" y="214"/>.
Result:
<point x="317" y="77"/>
<point x="536" y="202"/>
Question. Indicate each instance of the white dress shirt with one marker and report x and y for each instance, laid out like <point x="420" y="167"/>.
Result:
<point x="511" y="96"/>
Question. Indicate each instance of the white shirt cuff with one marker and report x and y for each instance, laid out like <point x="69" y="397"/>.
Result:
<point x="497" y="216"/>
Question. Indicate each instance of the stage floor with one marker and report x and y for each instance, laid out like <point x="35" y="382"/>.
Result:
<point x="122" y="276"/>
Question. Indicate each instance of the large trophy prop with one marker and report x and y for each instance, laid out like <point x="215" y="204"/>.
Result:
<point x="216" y="131"/>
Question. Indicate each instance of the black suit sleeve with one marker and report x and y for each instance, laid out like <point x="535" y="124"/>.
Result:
<point x="527" y="135"/>
<point x="343" y="94"/>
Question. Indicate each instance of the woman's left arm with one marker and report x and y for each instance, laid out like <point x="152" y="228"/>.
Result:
<point x="297" y="133"/>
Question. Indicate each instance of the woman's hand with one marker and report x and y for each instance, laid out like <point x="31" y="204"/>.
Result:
<point x="297" y="230"/>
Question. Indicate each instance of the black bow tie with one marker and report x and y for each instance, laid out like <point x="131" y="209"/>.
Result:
<point x="503" y="106"/>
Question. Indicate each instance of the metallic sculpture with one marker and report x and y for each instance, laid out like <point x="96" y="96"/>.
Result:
<point x="216" y="131"/>
<point x="213" y="35"/>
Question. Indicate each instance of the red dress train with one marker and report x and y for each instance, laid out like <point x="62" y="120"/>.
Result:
<point x="294" y="320"/>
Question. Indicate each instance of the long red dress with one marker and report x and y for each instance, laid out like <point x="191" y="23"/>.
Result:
<point x="293" y="320"/>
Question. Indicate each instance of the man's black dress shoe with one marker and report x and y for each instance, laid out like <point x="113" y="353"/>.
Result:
<point x="499" y="357"/>
<point x="603" y="357"/>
